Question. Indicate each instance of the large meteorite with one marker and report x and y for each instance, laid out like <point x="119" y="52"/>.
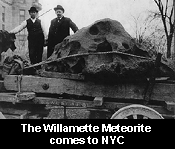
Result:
<point x="103" y="36"/>
<point x="104" y="50"/>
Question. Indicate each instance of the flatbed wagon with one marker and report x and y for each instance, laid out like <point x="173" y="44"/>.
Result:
<point x="34" y="96"/>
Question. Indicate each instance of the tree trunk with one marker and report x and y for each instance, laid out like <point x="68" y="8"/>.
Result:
<point x="169" y="42"/>
<point x="173" y="40"/>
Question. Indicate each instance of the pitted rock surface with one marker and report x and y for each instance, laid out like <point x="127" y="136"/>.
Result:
<point x="104" y="36"/>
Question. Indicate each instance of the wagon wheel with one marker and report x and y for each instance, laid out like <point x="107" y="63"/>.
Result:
<point x="136" y="112"/>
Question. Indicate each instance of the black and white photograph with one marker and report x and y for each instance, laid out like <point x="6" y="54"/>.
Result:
<point x="87" y="59"/>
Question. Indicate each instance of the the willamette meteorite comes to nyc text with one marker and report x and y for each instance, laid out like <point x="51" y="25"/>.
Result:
<point x="48" y="128"/>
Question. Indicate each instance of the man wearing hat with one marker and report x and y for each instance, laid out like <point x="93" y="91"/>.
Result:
<point x="36" y="35"/>
<point x="59" y="29"/>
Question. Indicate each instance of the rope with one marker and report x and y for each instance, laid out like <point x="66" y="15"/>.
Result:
<point x="86" y="54"/>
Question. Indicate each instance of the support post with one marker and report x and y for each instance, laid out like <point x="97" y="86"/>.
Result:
<point x="152" y="79"/>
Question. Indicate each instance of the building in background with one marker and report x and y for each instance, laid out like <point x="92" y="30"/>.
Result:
<point x="12" y="13"/>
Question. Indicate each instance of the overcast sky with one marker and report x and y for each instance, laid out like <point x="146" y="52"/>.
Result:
<point x="86" y="12"/>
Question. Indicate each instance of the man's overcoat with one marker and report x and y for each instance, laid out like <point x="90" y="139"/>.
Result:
<point x="59" y="29"/>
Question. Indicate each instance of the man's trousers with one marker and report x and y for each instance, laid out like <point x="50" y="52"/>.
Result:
<point x="35" y="50"/>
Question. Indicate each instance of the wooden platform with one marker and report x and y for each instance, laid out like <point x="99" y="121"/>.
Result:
<point x="161" y="91"/>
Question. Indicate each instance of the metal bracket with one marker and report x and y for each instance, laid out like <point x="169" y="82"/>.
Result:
<point x="19" y="79"/>
<point x="65" y="114"/>
<point x="98" y="101"/>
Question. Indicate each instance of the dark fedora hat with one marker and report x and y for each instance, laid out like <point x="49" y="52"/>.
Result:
<point x="33" y="9"/>
<point x="59" y="7"/>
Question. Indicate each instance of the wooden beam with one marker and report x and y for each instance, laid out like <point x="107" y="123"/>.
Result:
<point x="63" y="102"/>
<point x="124" y="91"/>
<point x="7" y="97"/>
<point x="54" y="103"/>
<point x="26" y="96"/>
<point x="62" y="75"/>
<point x="12" y="97"/>
<point x="72" y="87"/>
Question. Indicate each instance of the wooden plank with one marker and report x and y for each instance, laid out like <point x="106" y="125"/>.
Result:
<point x="77" y="103"/>
<point x="12" y="97"/>
<point x="12" y="111"/>
<point x="7" y="116"/>
<point x="8" y="97"/>
<point x="168" y="116"/>
<point x="54" y="103"/>
<point x="161" y="91"/>
<point x="72" y="87"/>
<point x="62" y="75"/>
<point x="63" y="102"/>
<point x="26" y="96"/>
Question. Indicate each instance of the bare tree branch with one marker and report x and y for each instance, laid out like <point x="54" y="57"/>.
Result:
<point x="166" y="15"/>
<point x="166" y="8"/>
<point x="171" y="15"/>
<point x="163" y="17"/>
<point x="156" y="2"/>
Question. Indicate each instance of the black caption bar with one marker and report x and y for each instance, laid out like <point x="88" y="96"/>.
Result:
<point x="90" y="132"/>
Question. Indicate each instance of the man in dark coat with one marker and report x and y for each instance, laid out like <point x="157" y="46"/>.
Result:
<point x="59" y="29"/>
<point x="36" y="35"/>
